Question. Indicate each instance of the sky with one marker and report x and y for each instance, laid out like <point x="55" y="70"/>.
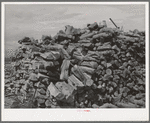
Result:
<point x="47" y="19"/>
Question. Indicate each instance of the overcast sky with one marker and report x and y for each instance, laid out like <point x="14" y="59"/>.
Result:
<point x="37" y="20"/>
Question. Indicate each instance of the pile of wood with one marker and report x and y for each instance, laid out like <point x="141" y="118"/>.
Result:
<point x="93" y="67"/>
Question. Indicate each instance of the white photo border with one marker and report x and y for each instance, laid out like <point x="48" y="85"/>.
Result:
<point x="75" y="114"/>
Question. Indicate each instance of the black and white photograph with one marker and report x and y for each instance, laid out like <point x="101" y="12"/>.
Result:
<point x="82" y="57"/>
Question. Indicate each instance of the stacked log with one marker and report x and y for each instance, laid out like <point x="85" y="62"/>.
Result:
<point x="93" y="67"/>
